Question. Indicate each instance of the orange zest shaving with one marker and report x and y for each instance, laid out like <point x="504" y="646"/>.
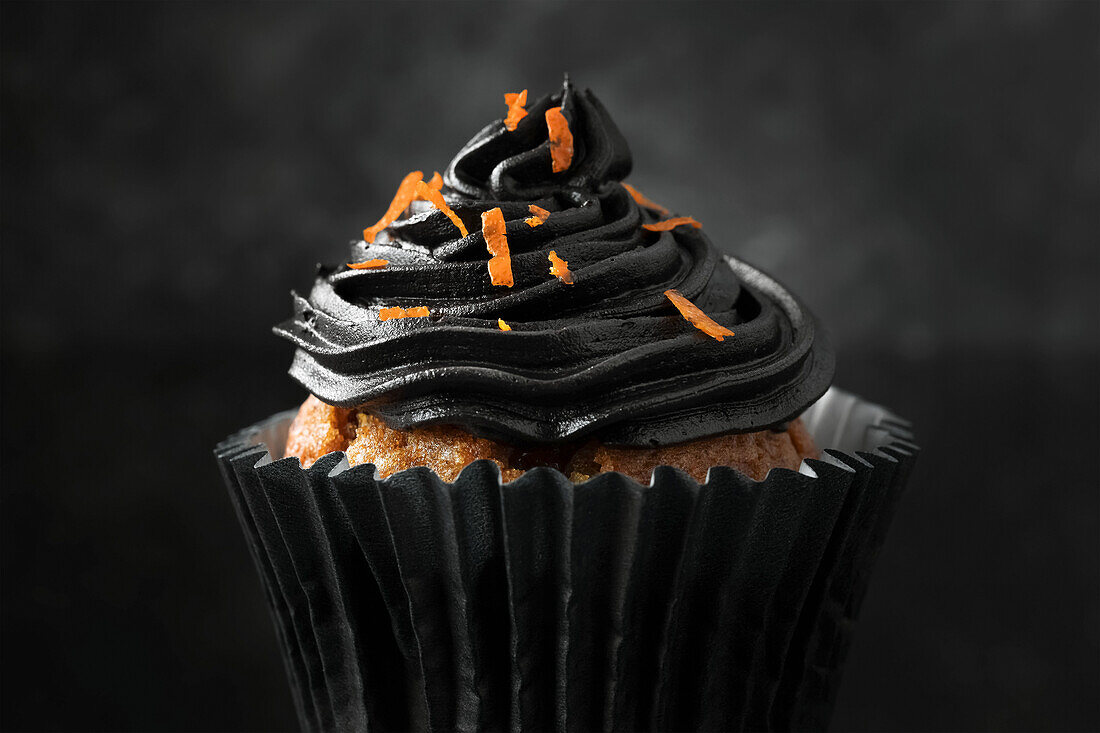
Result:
<point x="667" y="224"/>
<point x="559" y="268"/>
<point x="493" y="229"/>
<point x="368" y="265"/>
<point x="516" y="112"/>
<point x="419" y="311"/>
<point x="561" y="139"/>
<point x="436" y="182"/>
<point x="540" y="215"/>
<point x="641" y="200"/>
<point x="406" y="192"/>
<point x="502" y="325"/>
<point x="696" y="317"/>
<point x="426" y="192"/>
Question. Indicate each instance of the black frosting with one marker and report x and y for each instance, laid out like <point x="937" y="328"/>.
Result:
<point x="607" y="356"/>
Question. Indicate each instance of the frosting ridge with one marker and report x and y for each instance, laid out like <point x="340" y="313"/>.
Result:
<point x="608" y="355"/>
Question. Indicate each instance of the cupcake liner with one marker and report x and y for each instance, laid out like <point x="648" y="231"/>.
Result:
<point x="412" y="603"/>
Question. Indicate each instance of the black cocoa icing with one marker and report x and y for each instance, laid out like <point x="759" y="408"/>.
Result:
<point x="607" y="356"/>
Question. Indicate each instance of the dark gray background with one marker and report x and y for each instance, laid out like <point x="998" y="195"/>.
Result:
<point x="924" y="175"/>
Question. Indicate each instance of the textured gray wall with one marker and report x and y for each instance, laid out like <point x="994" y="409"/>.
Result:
<point x="926" y="176"/>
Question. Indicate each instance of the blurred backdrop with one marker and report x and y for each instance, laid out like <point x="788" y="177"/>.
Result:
<point x="924" y="175"/>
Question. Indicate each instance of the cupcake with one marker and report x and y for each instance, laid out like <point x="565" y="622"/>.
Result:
<point x="562" y="465"/>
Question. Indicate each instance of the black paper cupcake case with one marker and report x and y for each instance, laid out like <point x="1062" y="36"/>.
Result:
<point x="410" y="603"/>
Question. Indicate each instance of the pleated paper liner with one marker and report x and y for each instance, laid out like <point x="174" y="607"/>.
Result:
<point x="410" y="603"/>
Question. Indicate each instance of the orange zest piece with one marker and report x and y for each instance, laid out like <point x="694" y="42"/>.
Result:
<point x="516" y="112"/>
<point x="561" y="139"/>
<point x="496" y="240"/>
<point x="667" y="224"/>
<point x="436" y="182"/>
<point x="419" y="311"/>
<point x="559" y="268"/>
<point x="426" y="192"/>
<point x="696" y="317"/>
<point x="540" y="215"/>
<point x="368" y="265"/>
<point x="641" y="200"/>
<point x="502" y="325"/>
<point x="406" y="192"/>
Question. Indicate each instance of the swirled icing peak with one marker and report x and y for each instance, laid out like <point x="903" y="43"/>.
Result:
<point x="603" y="352"/>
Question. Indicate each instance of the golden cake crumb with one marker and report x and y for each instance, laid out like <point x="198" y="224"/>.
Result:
<point x="442" y="448"/>
<point x="320" y="429"/>
<point x="754" y="454"/>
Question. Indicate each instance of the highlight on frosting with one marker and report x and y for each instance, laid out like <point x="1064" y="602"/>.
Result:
<point x="669" y="224"/>
<point x="696" y="317"/>
<point x="559" y="268"/>
<point x="493" y="229"/>
<point x="516" y="112"/>
<point x="561" y="139"/>
<point x="369" y="264"/>
<point x="641" y="200"/>
<point x="406" y="192"/>
<point x="540" y="215"/>
<point x="608" y="356"/>
<point x="397" y="312"/>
